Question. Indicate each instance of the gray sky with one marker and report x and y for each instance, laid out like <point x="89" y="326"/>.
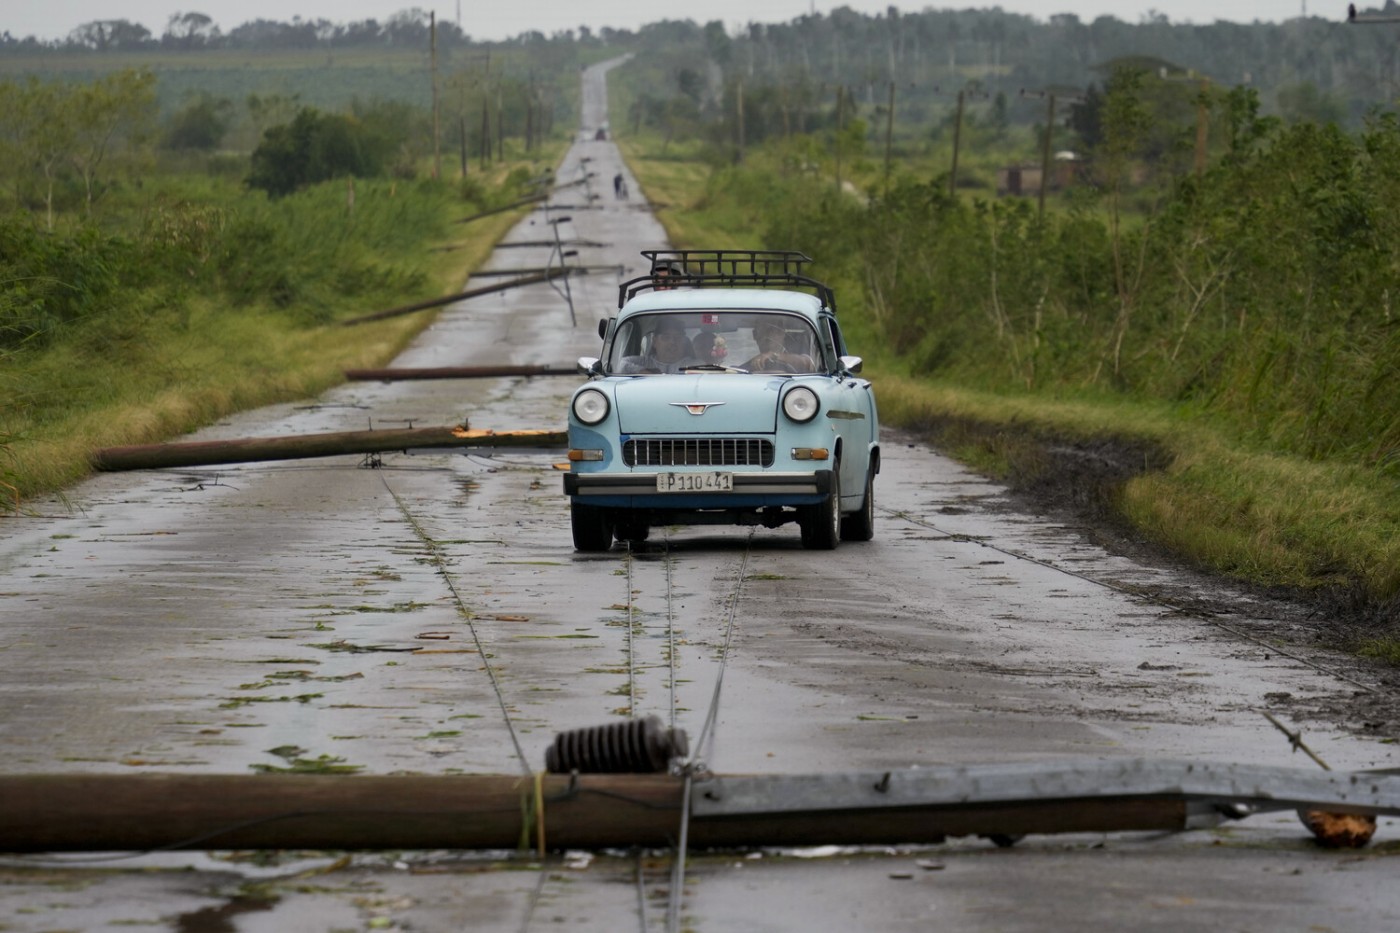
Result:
<point x="51" y="19"/>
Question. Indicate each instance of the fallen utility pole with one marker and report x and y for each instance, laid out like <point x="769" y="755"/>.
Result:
<point x="456" y="372"/>
<point x="460" y="296"/>
<point x="534" y="270"/>
<point x="115" y="812"/>
<point x="258" y="449"/>
<point x="551" y="244"/>
<point x="534" y="199"/>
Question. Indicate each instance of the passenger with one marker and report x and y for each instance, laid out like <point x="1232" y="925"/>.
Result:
<point x="670" y="351"/>
<point x="773" y="355"/>
<point x="664" y="276"/>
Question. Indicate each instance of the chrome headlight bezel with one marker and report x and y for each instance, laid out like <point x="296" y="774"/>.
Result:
<point x="591" y="407"/>
<point x="801" y="404"/>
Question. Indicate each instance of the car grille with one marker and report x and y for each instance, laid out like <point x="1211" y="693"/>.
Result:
<point x="698" y="451"/>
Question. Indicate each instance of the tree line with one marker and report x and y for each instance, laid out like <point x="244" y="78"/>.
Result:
<point x="195" y="31"/>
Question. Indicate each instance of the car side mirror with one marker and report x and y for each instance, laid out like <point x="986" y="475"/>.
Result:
<point x="852" y="364"/>
<point x="590" y="366"/>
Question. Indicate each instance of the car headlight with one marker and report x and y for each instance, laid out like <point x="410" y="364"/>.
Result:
<point x="590" y="406"/>
<point x="800" y="404"/>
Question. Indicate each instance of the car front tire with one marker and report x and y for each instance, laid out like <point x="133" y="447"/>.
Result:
<point x="592" y="527"/>
<point x="860" y="525"/>
<point x="821" y="524"/>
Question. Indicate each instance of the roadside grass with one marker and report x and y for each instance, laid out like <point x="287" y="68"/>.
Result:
<point x="159" y="366"/>
<point x="670" y="180"/>
<point x="1240" y="511"/>
<point x="1214" y="498"/>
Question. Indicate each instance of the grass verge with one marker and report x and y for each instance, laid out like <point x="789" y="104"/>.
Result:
<point x="1196" y="489"/>
<point x="157" y="369"/>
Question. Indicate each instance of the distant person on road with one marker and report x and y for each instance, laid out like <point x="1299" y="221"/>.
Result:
<point x="620" y="187"/>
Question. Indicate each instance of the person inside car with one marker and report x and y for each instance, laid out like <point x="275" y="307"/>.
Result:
<point x="773" y="354"/>
<point x="670" y="350"/>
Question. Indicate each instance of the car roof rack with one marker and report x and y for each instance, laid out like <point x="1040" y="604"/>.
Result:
<point x="726" y="268"/>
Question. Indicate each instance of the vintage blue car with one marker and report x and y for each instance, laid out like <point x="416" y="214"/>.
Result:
<point x="724" y="395"/>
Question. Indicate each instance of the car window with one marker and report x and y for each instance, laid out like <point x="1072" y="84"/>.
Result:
<point x="755" y="340"/>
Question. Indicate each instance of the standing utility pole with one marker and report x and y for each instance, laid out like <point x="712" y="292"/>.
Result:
<point x="1202" y="126"/>
<point x="957" y="142"/>
<point x="1045" y="155"/>
<point x="432" y="57"/>
<point x="739" y="106"/>
<point x="889" y="136"/>
<point x="840" y="118"/>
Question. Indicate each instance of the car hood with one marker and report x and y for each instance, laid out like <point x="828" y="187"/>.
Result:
<point x="698" y="403"/>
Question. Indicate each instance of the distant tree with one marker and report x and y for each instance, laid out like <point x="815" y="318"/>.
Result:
<point x="408" y="28"/>
<point x="200" y="124"/>
<point x="314" y="147"/>
<point x="36" y="134"/>
<point x="190" y="31"/>
<point x="110" y="35"/>
<point x="114" y="112"/>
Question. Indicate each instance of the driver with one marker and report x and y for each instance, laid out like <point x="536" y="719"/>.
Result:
<point x="773" y="354"/>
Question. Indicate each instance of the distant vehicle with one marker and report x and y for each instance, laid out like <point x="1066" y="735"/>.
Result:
<point x="724" y="395"/>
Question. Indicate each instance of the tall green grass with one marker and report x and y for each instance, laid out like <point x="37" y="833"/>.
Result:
<point x="1244" y="324"/>
<point x="201" y="299"/>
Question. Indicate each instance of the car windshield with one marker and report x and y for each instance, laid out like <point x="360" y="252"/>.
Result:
<point x="756" y="341"/>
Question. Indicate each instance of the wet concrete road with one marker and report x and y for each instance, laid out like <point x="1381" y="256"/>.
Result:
<point x="431" y="616"/>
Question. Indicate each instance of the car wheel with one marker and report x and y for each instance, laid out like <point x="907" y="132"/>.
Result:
<point x="821" y="524"/>
<point x="860" y="526"/>
<point x="592" y="527"/>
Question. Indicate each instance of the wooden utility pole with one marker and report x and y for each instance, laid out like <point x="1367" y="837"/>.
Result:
<point x="553" y="811"/>
<point x="739" y="108"/>
<point x="840" y="122"/>
<point x="262" y="449"/>
<point x="456" y="372"/>
<point x="460" y="296"/>
<point x="462" y="128"/>
<point x="889" y="138"/>
<point x="957" y="142"/>
<point x="1045" y="150"/>
<point x="485" y="131"/>
<point x="432" y="67"/>
<point x="1202" y="126"/>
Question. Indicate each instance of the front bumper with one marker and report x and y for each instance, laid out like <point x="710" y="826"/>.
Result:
<point x="750" y="489"/>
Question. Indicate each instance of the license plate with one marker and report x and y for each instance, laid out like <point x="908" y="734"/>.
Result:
<point x="694" y="482"/>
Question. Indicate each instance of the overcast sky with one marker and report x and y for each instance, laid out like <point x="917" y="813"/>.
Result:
<point x="499" y="19"/>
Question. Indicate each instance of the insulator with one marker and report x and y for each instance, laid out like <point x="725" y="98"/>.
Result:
<point x="638" y="746"/>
